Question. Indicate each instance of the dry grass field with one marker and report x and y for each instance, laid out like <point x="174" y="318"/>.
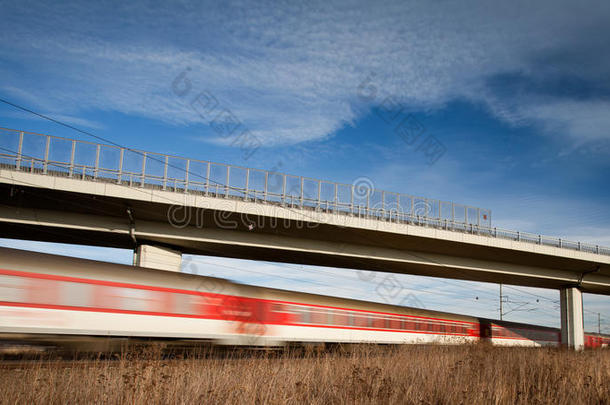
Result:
<point x="476" y="374"/>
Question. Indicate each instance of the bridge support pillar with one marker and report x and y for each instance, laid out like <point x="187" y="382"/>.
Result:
<point x="157" y="257"/>
<point x="572" y="326"/>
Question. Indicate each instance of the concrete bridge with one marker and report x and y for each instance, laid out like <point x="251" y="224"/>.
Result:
<point x="63" y="190"/>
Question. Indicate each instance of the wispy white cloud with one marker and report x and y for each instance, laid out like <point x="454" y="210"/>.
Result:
<point x="291" y="73"/>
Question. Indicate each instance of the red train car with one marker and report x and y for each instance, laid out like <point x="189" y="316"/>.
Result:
<point x="51" y="297"/>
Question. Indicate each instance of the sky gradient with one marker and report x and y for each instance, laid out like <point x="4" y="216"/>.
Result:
<point x="517" y="94"/>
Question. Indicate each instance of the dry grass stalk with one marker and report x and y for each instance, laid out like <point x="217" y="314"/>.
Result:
<point x="470" y="374"/>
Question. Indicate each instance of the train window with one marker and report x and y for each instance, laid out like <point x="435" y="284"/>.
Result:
<point x="259" y="314"/>
<point x="341" y="319"/>
<point x="314" y="316"/>
<point x="75" y="294"/>
<point x="320" y="317"/>
<point x="134" y="299"/>
<point x="362" y="320"/>
<point x="395" y="323"/>
<point x="304" y="315"/>
<point x="377" y="322"/>
<point x="42" y="291"/>
<point x="13" y="288"/>
<point x="182" y="304"/>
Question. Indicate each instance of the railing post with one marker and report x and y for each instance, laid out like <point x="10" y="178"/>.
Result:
<point x="283" y="188"/>
<point x="266" y="186"/>
<point x="518" y="236"/>
<point x="72" y="155"/>
<point x="319" y="192"/>
<point x="351" y="204"/>
<point x="121" y="157"/>
<point x="143" y="174"/>
<point x="247" y="184"/>
<point x="165" y="172"/>
<point x="336" y="194"/>
<point x="560" y="244"/>
<point x="186" y="175"/>
<point x="412" y="213"/>
<point x="19" y="151"/>
<point x="302" y="192"/>
<point x="579" y="246"/>
<point x="227" y="183"/>
<point x="207" y="179"/>
<point x="45" y="164"/>
<point x="383" y="204"/>
<point x="478" y="216"/>
<point x="597" y="249"/>
<point x="97" y="160"/>
<point x="398" y="213"/>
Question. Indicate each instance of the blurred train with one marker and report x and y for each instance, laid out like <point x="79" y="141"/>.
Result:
<point x="50" y="299"/>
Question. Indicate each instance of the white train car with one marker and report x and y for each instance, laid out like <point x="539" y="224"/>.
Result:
<point x="53" y="296"/>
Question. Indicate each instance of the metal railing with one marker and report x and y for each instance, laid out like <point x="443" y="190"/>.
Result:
<point x="56" y="156"/>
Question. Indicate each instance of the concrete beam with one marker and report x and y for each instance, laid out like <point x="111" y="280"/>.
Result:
<point x="157" y="257"/>
<point x="284" y="247"/>
<point x="572" y="322"/>
<point x="165" y="199"/>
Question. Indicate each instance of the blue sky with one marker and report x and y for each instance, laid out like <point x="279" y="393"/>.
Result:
<point x="518" y="94"/>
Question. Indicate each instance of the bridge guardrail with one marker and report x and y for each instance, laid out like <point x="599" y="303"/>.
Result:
<point x="57" y="156"/>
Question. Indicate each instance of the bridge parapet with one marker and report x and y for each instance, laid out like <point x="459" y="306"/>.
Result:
<point x="63" y="157"/>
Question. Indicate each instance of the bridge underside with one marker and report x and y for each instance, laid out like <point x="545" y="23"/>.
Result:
<point x="60" y="216"/>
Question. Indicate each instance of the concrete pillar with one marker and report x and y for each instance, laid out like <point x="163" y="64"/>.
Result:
<point x="572" y="326"/>
<point x="156" y="257"/>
